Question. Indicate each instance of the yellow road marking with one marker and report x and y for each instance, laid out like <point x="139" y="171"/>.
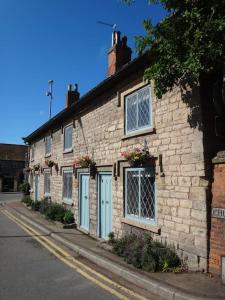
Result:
<point x="77" y="263"/>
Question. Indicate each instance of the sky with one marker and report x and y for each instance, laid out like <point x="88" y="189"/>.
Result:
<point x="58" y="40"/>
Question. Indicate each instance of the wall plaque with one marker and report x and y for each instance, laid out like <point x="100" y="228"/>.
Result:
<point x="218" y="213"/>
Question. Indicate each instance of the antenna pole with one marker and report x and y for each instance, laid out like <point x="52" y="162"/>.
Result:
<point x="49" y="94"/>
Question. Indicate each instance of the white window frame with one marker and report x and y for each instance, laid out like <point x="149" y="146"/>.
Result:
<point x="66" y="199"/>
<point x="48" y="139"/>
<point x="139" y="217"/>
<point x="68" y="149"/>
<point x="138" y="129"/>
<point x="47" y="193"/>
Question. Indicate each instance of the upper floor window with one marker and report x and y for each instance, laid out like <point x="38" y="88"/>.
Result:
<point x="68" y="137"/>
<point x="32" y="151"/>
<point x="138" y="110"/>
<point x="140" y="199"/>
<point x="67" y="186"/>
<point x="48" y="145"/>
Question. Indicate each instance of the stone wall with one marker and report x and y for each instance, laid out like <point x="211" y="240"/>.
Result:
<point x="181" y="193"/>
<point x="217" y="236"/>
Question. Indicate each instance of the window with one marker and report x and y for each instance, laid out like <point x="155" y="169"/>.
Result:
<point x="68" y="131"/>
<point x="32" y="152"/>
<point x="48" y="145"/>
<point x="138" y="110"/>
<point x="140" y="194"/>
<point x="67" y="186"/>
<point x="47" y="183"/>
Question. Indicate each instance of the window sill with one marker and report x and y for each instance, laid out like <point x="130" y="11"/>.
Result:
<point x="67" y="151"/>
<point x="48" y="155"/>
<point x="139" y="133"/>
<point x="150" y="227"/>
<point x="68" y="202"/>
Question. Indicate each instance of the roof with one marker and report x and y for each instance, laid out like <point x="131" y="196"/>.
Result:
<point x="138" y="63"/>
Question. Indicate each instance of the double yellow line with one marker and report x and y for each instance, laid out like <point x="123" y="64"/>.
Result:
<point x="102" y="281"/>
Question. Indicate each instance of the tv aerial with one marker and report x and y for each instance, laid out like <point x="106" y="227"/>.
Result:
<point x="113" y="26"/>
<point x="50" y="95"/>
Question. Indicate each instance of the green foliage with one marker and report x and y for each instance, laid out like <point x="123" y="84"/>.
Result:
<point x="24" y="187"/>
<point x="187" y="45"/>
<point x="35" y="205"/>
<point x="68" y="217"/>
<point x="44" y="204"/>
<point x="111" y="237"/>
<point x="27" y="200"/>
<point x="55" y="212"/>
<point x="142" y="252"/>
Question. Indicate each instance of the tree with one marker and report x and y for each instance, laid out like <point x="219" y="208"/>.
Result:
<point x="187" y="46"/>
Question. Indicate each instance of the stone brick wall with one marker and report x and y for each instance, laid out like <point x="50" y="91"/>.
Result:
<point x="217" y="236"/>
<point x="181" y="193"/>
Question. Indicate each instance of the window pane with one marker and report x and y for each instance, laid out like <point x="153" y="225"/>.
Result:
<point x="131" y="117"/>
<point x="47" y="183"/>
<point x="143" y="108"/>
<point x="48" y="145"/>
<point x="132" y="193"/>
<point x="68" y="137"/>
<point x="147" y="195"/>
<point x="67" y="185"/>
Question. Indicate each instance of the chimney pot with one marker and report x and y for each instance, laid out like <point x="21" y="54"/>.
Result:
<point x="72" y="96"/>
<point x="119" y="54"/>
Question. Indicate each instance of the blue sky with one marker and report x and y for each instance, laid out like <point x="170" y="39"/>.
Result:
<point x="59" y="40"/>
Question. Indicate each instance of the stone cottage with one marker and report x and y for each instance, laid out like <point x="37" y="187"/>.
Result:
<point x="166" y="196"/>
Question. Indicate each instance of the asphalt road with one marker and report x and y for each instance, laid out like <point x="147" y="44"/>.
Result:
<point x="29" y="271"/>
<point x="10" y="197"/>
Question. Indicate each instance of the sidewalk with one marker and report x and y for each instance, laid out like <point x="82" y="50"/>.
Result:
<point x="191" y="285"/>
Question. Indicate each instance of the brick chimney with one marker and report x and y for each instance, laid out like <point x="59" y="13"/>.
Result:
<point x="119" y="54"/>
<point x="72" y="96"/>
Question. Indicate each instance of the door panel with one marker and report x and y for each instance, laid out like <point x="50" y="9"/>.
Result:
<point x="105" y="201"/>
<point x="84" y="201"/>
<point x="37" y="188"/>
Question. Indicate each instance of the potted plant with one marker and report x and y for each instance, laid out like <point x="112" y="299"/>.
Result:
<point x="50" y="163"/>
<point x="36" y="167"/>
<point x="83" y="162"/>
<point x="137" y="157"/>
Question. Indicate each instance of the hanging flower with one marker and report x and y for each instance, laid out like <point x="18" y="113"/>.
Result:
<point x="136" y="157"/>
<point x="83" y="161"/>
<point x="36" y="167"/>
<point x="50" y="163"/>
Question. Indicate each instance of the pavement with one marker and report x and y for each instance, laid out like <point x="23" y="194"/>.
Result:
<point x="171" y="286"/>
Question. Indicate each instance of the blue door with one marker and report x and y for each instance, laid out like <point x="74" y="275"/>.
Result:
<point x="105" y="205"/>
<point x="37" y="195"/>
<point x="84" y="201"/>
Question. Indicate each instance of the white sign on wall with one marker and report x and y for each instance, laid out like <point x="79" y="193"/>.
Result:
<point x="218" y="213"/>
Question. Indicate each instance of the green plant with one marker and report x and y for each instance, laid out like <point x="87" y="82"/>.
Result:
<point x="50" y="163"/>
<point x="35" y="205"/>
<point x="83" y="161"/>
<point x="136" y="157"/>
<point x="26" y="199"/>
<point x="24" y="187"/>
<point x="44" y="204"/>
<point x="111" y="237"/>
<point x="55" y="212"/>
<point x="142" y="252"/>
<point x="68" y="217"/>
<point x="36" y="167"/>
